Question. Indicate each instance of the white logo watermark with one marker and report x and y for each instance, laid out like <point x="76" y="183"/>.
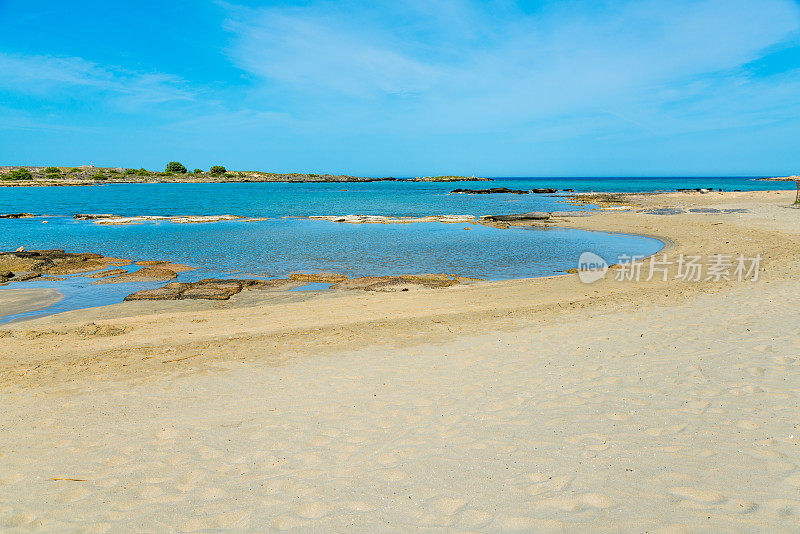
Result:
<point x="687" y="268"/>
<point x="591" y="267"/>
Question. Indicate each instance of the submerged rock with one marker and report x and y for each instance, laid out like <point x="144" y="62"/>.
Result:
<point x="106" y="274"/>
<point x="545" y="190"/>
<point x="16" y="215"/>
<point x="530" y="216"/>
<point x="490" y="191"/>
<point x="145" y="274"/>
<point x="109" y="218"/>
<point x="382" y="219"/>
<point x="56" y="262"/>
<point x="317" y="277"/>
<point x="177" y="267"/>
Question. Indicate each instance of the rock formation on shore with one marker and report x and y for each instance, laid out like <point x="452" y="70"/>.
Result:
<point x="530" y="216"/>
<point x="223" y="289"/>
<point x="25" y="265"/>
<point x="209" y="289"/>
<point x="491" y="191"/>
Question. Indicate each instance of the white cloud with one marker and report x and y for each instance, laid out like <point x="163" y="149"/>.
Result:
<point x="52" y="77"/>
<point x="458" y="64"/>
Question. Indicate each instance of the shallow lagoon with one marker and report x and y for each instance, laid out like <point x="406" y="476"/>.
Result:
<point x="278" y="245"/>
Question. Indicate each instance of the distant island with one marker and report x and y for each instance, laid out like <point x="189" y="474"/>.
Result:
<point x="780" y="179"/>
<point x="178" y="173"/>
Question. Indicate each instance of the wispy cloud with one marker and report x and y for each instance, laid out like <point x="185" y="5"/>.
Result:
<point x="456" y="64"/>
<point x="430" y="85"/>
<point x="56" y="78"/>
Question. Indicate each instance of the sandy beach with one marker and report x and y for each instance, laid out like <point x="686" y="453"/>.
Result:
<point x="537" y="405"/>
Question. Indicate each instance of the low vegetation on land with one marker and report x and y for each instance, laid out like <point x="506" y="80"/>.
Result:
<point x="176" y="171"/>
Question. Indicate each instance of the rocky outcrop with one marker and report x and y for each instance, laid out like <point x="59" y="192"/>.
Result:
<point x="491" y="191"/>
<point x="177" y="267"/>
<point x="530" y="216"/>
<point x="780" y="179"/>
<point x="16" y="215"/>
<point x="317" y="277"/>
<point x="55" y="262"/>
<point x="107" y="218"/>
<point x="209" y="289"/>
<point x="383" y="219"/>
<point x="145" y="274"/>
<point x="108" y="273"/>
<point x="404" y="282"/>
<point x="223" y="289"/>
<point x="542" y="191"/>
<point x="449" y="179"/>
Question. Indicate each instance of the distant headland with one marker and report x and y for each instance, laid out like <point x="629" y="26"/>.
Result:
<point x="176" y="172"/>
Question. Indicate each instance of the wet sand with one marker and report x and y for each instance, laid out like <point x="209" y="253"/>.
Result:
<point x="14" y="301"/>
<point x="528" y="405"/>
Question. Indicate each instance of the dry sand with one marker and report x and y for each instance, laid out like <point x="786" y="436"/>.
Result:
<point x="529" y="405"/>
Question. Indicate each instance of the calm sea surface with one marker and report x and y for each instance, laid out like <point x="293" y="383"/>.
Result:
<point x="277" y="246"/>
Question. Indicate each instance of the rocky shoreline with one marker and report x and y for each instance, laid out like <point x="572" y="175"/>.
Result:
<point x="89" y="175"/>
<point x="56" y="264"/>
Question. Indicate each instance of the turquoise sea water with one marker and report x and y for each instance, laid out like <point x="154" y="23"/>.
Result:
<point x="278" y="245"/>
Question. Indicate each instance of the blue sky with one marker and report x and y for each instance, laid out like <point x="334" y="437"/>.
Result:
<point x="558" y="88"/>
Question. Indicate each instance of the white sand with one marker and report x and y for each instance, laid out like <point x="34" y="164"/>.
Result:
<point x="607" y="408"/>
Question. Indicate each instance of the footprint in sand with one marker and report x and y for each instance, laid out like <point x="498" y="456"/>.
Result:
<point x="288" y="522"/>
<point x="96" y="528"/>
<point x="528" y="524"/>
<point x="358" y="506"/>
<point x="697" y="495"/>
<point x="314" y="510"/>
<point x="475" y="519"/>
<point x="73" y="494"/>
<point x="19" y="519"/>
<point x="447" y="506"/>
<point x="580" y="503"/>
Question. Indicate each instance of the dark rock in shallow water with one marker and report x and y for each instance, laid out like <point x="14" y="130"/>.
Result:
<point x="209" y="289"/>
<point x="530" y="216"/>
<point x="490" y="191"/>
<point x="55" y="261"/>
<point x="317" y="277"/>
<point x="212" y="289"/>
<point x="21" y="277"/>
<point x="540" y="191"/>
<point x="106" y="274"/>
<point x="16" y="215"/>
<point x="168" y="292"/>
<point x="145" y="274"/>
<point x="93" y="216"/>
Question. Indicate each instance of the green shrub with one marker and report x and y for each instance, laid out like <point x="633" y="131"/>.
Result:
<point x="75" y="169"/>
<point x="113" y="171"/>
<point x="52" y="170"/>
<point x="131" y="171"/>
<point x="175" y="167"/>
<point x="143" y="172"/>
<point x="99" y="176"/>
<point x="19" y="174"/>
<point x="240" y="174"/>
<point x="217" y="170"/>
<point x="198" y="171"/>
